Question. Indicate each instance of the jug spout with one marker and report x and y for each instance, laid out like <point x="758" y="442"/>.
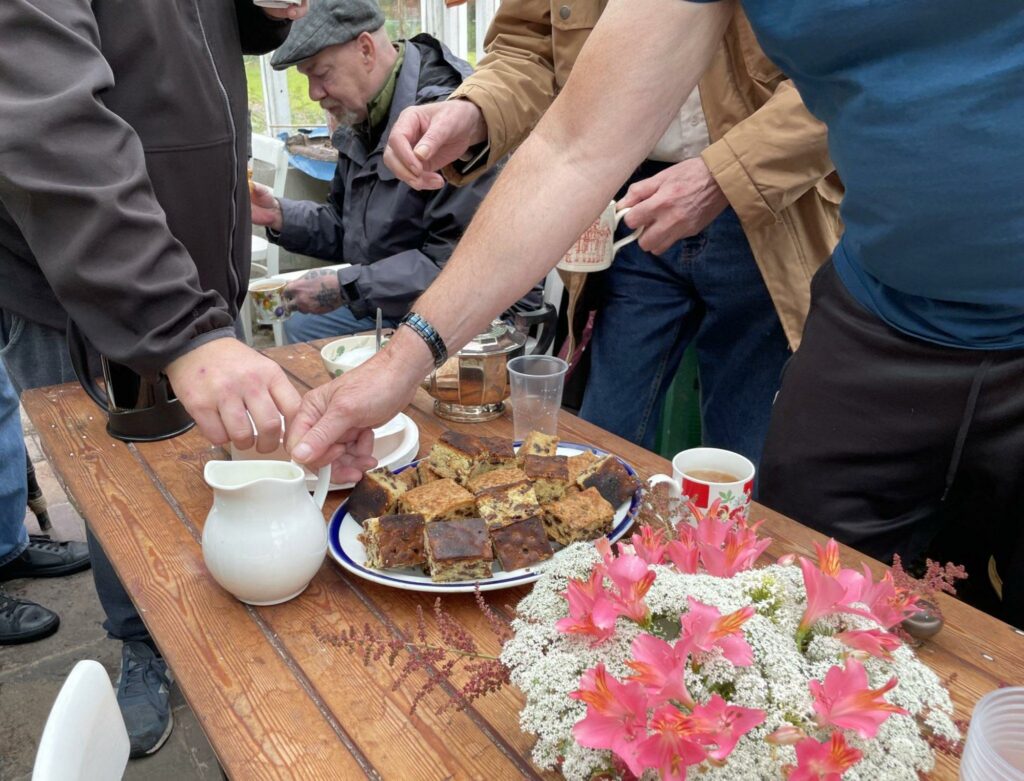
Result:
<point x="237" y="475"/>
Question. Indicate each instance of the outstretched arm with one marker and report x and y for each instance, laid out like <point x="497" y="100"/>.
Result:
<point x="615" y="106"/>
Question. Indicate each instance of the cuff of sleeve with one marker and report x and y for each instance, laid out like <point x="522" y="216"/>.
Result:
<point x="495" y="147"/>
<point x="198" y="341"/>
<point x="736" y="183"/>
<point x="290" y="234"/>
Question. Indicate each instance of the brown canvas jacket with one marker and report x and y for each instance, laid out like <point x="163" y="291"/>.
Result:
<point x="767" y="153"/>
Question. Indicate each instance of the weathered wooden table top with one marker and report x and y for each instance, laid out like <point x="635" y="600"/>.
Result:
<point x="276" y="701"/>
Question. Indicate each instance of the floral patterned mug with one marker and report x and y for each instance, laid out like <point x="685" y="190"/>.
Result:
<point x="267" y="298"/>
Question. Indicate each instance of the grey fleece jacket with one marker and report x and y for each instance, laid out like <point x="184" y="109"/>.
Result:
<point x="123" y="198"/>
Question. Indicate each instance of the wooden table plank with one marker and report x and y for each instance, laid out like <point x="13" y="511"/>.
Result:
<point x="230" y="674"/>
<point x="275" y="697"/>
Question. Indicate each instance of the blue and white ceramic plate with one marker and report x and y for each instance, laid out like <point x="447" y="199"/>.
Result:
<point x="348" y="551"/>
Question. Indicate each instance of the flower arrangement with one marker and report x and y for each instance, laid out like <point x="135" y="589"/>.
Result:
<point x="674" y="655"/>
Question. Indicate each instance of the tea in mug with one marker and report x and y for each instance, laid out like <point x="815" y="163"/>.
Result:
<point x="711" y="476"/>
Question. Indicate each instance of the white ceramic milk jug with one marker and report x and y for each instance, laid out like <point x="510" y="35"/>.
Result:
<point x="265" y="537"/>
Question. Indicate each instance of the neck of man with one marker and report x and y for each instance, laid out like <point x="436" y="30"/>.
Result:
<point x="379" y="106"/>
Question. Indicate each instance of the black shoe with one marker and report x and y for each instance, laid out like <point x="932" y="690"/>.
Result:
<point x="22" y="621"/>
<point x="46" y="558"/>
<point x="143" y="693"/>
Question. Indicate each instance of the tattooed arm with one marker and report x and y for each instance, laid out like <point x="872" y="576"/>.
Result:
<point x="316" y="292"/>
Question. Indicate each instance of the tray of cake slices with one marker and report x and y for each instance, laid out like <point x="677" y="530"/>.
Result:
<point x="481" y="512"/>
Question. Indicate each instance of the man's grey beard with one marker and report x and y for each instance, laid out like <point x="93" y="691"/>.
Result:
<point x="346" y="118"/>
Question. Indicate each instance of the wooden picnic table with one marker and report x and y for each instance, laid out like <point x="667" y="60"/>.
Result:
<point x="278" y="701"/>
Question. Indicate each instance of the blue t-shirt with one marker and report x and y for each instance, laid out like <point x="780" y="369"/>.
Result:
<point x="924" y="102"/>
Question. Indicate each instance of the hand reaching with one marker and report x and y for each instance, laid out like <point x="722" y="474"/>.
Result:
<point x="427" y="138"/>
<point x="227" y="388"/>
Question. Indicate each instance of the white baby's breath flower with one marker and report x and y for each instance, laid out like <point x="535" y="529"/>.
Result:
<point x="547" y="665"/>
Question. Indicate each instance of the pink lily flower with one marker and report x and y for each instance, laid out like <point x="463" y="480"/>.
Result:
<point x="888" y="604"/>
<point x="724" y="724"/>
<point x="825" y="595"/>
<point x="649" y="544"/>
<point x="590" y="611"/>
<point x="742" y="548"/>
<point x="823" y="761"/>
<point x="872" y="641"/>
<point x="683" y="551"/>
<point x="633" y="580"/>
<point x="659" y="667"/>
<point x="789" y="735"/>
<point x="616" y="716"/>
<point x="711" y="529"/>
<point x="704" y="627"/>
<point x="845" y="701"/>
<point x="673" y="744"/>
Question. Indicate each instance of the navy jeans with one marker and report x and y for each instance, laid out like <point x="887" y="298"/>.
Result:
<point x="340" y="322"/>
<point x="36" y="355"/>
<point x="708" y="290"/>
<point x="13" y="484"/>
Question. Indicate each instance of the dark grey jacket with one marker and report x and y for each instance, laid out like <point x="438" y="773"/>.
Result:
<point x="123" y="198"/>
<point x="397" y="238"/>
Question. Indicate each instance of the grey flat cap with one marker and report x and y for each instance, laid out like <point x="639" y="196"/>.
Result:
<point x="328" y="22"/>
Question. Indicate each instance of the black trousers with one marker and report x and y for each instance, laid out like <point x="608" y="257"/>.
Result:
<point x="895" y="445"/>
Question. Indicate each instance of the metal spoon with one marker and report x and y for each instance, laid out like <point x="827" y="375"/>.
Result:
<point x="380" y="322"/>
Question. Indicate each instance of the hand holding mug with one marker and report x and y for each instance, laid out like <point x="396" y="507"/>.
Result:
<point x="284" y="9"/>
<point x="595" y="249"/>
<point x="266" y="210"/>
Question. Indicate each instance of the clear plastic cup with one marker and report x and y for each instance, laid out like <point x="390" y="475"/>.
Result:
<point x="995" y="738"/>
<point x="536" y="393"/>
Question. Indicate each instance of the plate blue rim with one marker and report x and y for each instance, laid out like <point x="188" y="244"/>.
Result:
<point x="380" y="576"/>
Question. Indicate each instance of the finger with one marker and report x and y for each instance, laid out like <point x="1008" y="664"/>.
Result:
<point x="398" y="168"/>
<point x="364" y="443"/>
<point x="236" y="422"/>
<point x="210" y="425"/>
<point x="286" y="397"/>
<point x="264" y="414"/>
<point x="430" y="181"/>
<point x="408" y="130"/>
<point x="333" y="427"/>
<point x="637" y="192"/>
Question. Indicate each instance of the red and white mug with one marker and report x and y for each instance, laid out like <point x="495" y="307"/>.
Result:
<point x="701" y="475"/>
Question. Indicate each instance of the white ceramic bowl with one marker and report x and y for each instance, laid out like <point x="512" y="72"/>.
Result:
<point x="347" y="353"/>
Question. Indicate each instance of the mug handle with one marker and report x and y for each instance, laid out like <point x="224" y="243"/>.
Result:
<point x="323" y="485"/>
<point x="675" y="490"/>
<point x="619" y="214"/>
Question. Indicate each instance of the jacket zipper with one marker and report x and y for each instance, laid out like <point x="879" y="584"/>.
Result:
<point x="233" y="275"/>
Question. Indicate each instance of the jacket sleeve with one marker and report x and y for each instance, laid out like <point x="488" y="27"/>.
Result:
<point x="395" y="282"/>
<point x="258" y="32"/>
<point x="770" y="159"/>
<point x="73" y="179"/>
<point x="312" y="229"/>
<point x="514" y="83"/>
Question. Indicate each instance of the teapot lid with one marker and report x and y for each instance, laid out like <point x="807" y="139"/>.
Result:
<point x="500" y="338"/>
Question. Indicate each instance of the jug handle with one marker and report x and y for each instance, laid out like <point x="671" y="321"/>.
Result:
<point x="323" y="485"/>
<point x="78" y="351"/>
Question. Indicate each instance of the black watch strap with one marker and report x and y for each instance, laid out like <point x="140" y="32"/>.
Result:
<point x="428" y="334"/>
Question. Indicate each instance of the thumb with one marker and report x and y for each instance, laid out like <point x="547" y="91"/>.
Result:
<point x="318" y="439"/>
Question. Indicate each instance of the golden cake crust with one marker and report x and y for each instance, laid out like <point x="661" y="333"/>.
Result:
<point x="583" y="516"/>
<point x="440" y="500"/>
<point x="506" y="504"/>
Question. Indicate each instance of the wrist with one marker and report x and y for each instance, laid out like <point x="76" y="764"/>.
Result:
<point x="408" y="358"/>
<point x="472" y="118"/>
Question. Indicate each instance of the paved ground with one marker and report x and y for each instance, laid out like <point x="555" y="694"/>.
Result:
<point x="32" y="674"/>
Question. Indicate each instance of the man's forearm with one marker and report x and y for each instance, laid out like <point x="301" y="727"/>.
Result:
<point x="596" y="132"/>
